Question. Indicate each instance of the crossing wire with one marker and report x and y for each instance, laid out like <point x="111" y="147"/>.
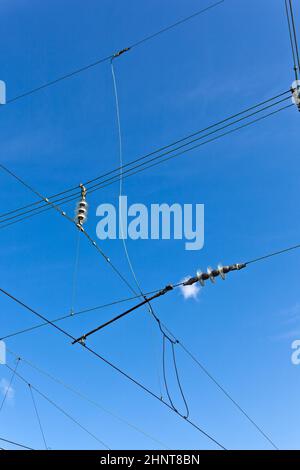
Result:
<point x="8" y="388"/>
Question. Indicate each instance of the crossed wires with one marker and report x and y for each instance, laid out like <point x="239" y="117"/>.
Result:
<point x="87" y="399"/>
<point x="109" y="57"/>
<point x="116" y="368"/>
<point x="15" y="444"/>
<point x="293" y="37"/>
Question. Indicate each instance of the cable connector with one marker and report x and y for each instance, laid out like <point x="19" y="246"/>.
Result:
<point x="211" y="274"/>
<point x="122" y="51"/>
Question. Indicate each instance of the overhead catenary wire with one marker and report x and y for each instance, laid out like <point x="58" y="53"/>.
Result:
<point x="110" y="56"/>
<point x="38" y="416"/>
<point x="254" y="260"/>
<point x="124" y="243"/>
<point x="204" y="369"/>
<point x="131" y="166"/>
<point x="294" y="34"/>
<point x="80" y="312"/>
<point x="227" y="395"/>
<point x="89" y="400"/>
<point x="159" y="150"/>
<point x="75" y="274"/>
<point x="116" y="368"/>
<point x="274" y="253"/>
<point x="77" y="225"/>
<point x="295" y="64"/>
<point x="59" y="408"/>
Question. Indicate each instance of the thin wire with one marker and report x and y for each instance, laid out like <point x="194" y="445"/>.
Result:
<point x="190" y="354"/>
<point x="164" y="373"/>
<point x="214" y="380"/>
<point x="151" y="36"/>
<point x="179" y="382"/>
<point x="275" y="253"/>
<point x="38" y="416"/>
<point x="128" y="258"/>
<point x="57" y="80"/>
<point x="109" y="57"/>
<point x="79" y="227"/>
<point x="142" y="158"/>
<point x="145" y="166"/>
<point x="291" y="40"/>
<point x="59" y="408"/>
<point x="89" y="400"/>
<point x="116" y="368"/>
<point x="159" y="157"/>
<point x="80" y="312"/>
<point x="8" y="389"/>
<point x="15" y="443"/>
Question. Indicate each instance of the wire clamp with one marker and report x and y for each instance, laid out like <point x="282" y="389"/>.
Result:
<point x="122" y="51"/>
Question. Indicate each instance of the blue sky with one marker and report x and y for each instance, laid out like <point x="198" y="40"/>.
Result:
<point x="217" y="64"/>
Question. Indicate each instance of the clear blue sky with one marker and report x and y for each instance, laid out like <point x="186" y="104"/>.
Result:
<point x="215" y="65"/>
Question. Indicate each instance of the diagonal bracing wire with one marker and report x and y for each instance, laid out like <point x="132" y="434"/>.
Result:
<point x="78" y="226"/>
<point x="295" y="65"/>
<point x="254" y="260"/>
<point x="145" y="166"/>
<point x="294" y="34"/>
<point x="59" y="408"/>
<point x="38" y="416"/>
<point x="169" y="288"/>
<point x="88" y="399"/>
<point x="80" y="312"/>
<point x="109" y="57"/>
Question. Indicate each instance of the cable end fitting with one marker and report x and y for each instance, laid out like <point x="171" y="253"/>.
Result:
<point x="122" y="51"/>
